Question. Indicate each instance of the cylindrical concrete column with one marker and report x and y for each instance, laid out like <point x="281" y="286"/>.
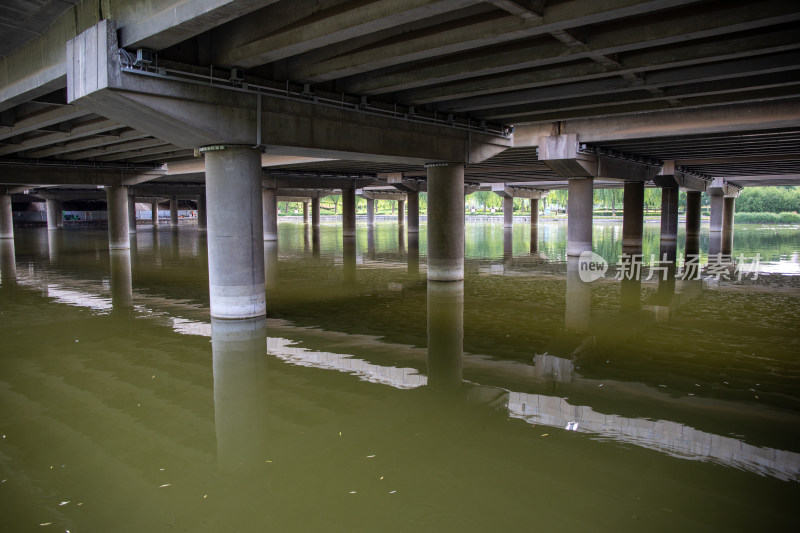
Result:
<point x="173" y="211"/>
<point x="202" y="214"/>
<point x="54" y="214"/>
<point x="508" y="212"/>
<point x="632" y="214"/>
<point x="413" y="212"/>
<point x="693" y="213"/>
<point x="579" y="216"/>
<point x="717" y="206"/>
<point x="348" y="212"/>
<point x="669" y="213"/>
<point x="445" y="335"/>
<point x="370" y="212"/>
<point x="131" y="214"/>
<point x="315" y="212"/>
<point x="305" y="212"/>
<point x="154" y="213"/>
<point x="270" y="203"/>
<point x="445" y="221"/>
<point x="6" y="218"/>
<point x="534" y="212"/>
<point x="235" y="232"/>
<point x="118" y="232"/>
<point x="728" y="208"/>
<point x="401" y="212"/>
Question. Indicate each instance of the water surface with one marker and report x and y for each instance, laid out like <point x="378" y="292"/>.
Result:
<point x="370" y="399"/>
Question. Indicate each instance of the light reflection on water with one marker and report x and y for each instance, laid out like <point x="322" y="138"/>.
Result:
<point x="670" y="372"/>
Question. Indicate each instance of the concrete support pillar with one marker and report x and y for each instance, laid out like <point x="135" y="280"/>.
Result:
<point x="235" y="233"/>
<point x="270" y="202"/>
<point x="717" y="206"/>
<point x="349" y="212"/>
<point x="131" y="214"/>
<point x="401" y="212"/>
<point x="315" y="212"/>
<point x="728" y="208"/>
<point x="305" y="212"/>
<point x="445" y="335"/>
<point x="534" y="212"/>
<point x="154" y="213"/>
<point x="6" y="218"/>
<point x="118" y="232"/>
<point x="173" y="211"/>
<point x="413" y="212"/>
<point x="445" y="221"/>
<point x="370" y="212"/>
<point x="632" y="214"/>
<point x="54" y="215"/>
<point x="693" y="213"/>
<point x="669" y="213"/>
<point x="508" y="212"/>
<point x="202" y="214"/>
<point x="579" y="216"/>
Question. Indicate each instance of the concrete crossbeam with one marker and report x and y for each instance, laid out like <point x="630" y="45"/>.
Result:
<point x="189" y="115"/>
<point x="724" y="119"/>
<point x="74" y="175"/>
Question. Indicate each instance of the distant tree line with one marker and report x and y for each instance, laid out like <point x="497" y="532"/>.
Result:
<point x="768" y="200"/>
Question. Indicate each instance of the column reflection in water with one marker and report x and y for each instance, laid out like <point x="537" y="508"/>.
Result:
<point x="54" y="240"/>
<point x="121" y="280"/>
<point x="349" y="259"/>
<point x="315" y="241"/>
<point x="306" y="237"/>
<point x="666" y="277"/>
<point x="401" y="241"/>
<point x="579" y="298"/>
<point x="508" y="246"/>
<point x="270" y="264"/>
<point x="239" y="349"/>
<point x="8" y="265"/>
<point x="413" y="254"/>
<point x="371" y="243"/>
<point x="535" y="239"/>
<point x="445" y="334"/>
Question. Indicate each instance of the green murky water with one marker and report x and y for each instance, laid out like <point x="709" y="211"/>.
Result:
<point x="369" y="400"/>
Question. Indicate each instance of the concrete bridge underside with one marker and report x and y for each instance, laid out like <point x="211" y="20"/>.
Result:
<point x="241" y="102"/>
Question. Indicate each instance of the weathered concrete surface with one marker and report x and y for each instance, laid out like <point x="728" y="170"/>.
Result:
<point x="270" y="204"/>
<point x="235" y="233"/>
<point x="118" y="231"/>
<point x="445" y="222"/>
<point x="633" y="215"/>
<point x="6" y="218"/>
<point x="579" y="216"/>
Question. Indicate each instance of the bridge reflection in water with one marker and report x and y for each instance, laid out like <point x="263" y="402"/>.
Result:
<point x="240" y="366"/>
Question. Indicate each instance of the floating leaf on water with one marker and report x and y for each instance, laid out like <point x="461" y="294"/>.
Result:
<point x="47" y="523"/>
<point x="164" y="485"/>
<point x="63" y="503"/>
<point x="545" y="434"/>
<point x="392" y="491"/>
<point x="352" y="492"/>
<point x="370" y="456"/>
